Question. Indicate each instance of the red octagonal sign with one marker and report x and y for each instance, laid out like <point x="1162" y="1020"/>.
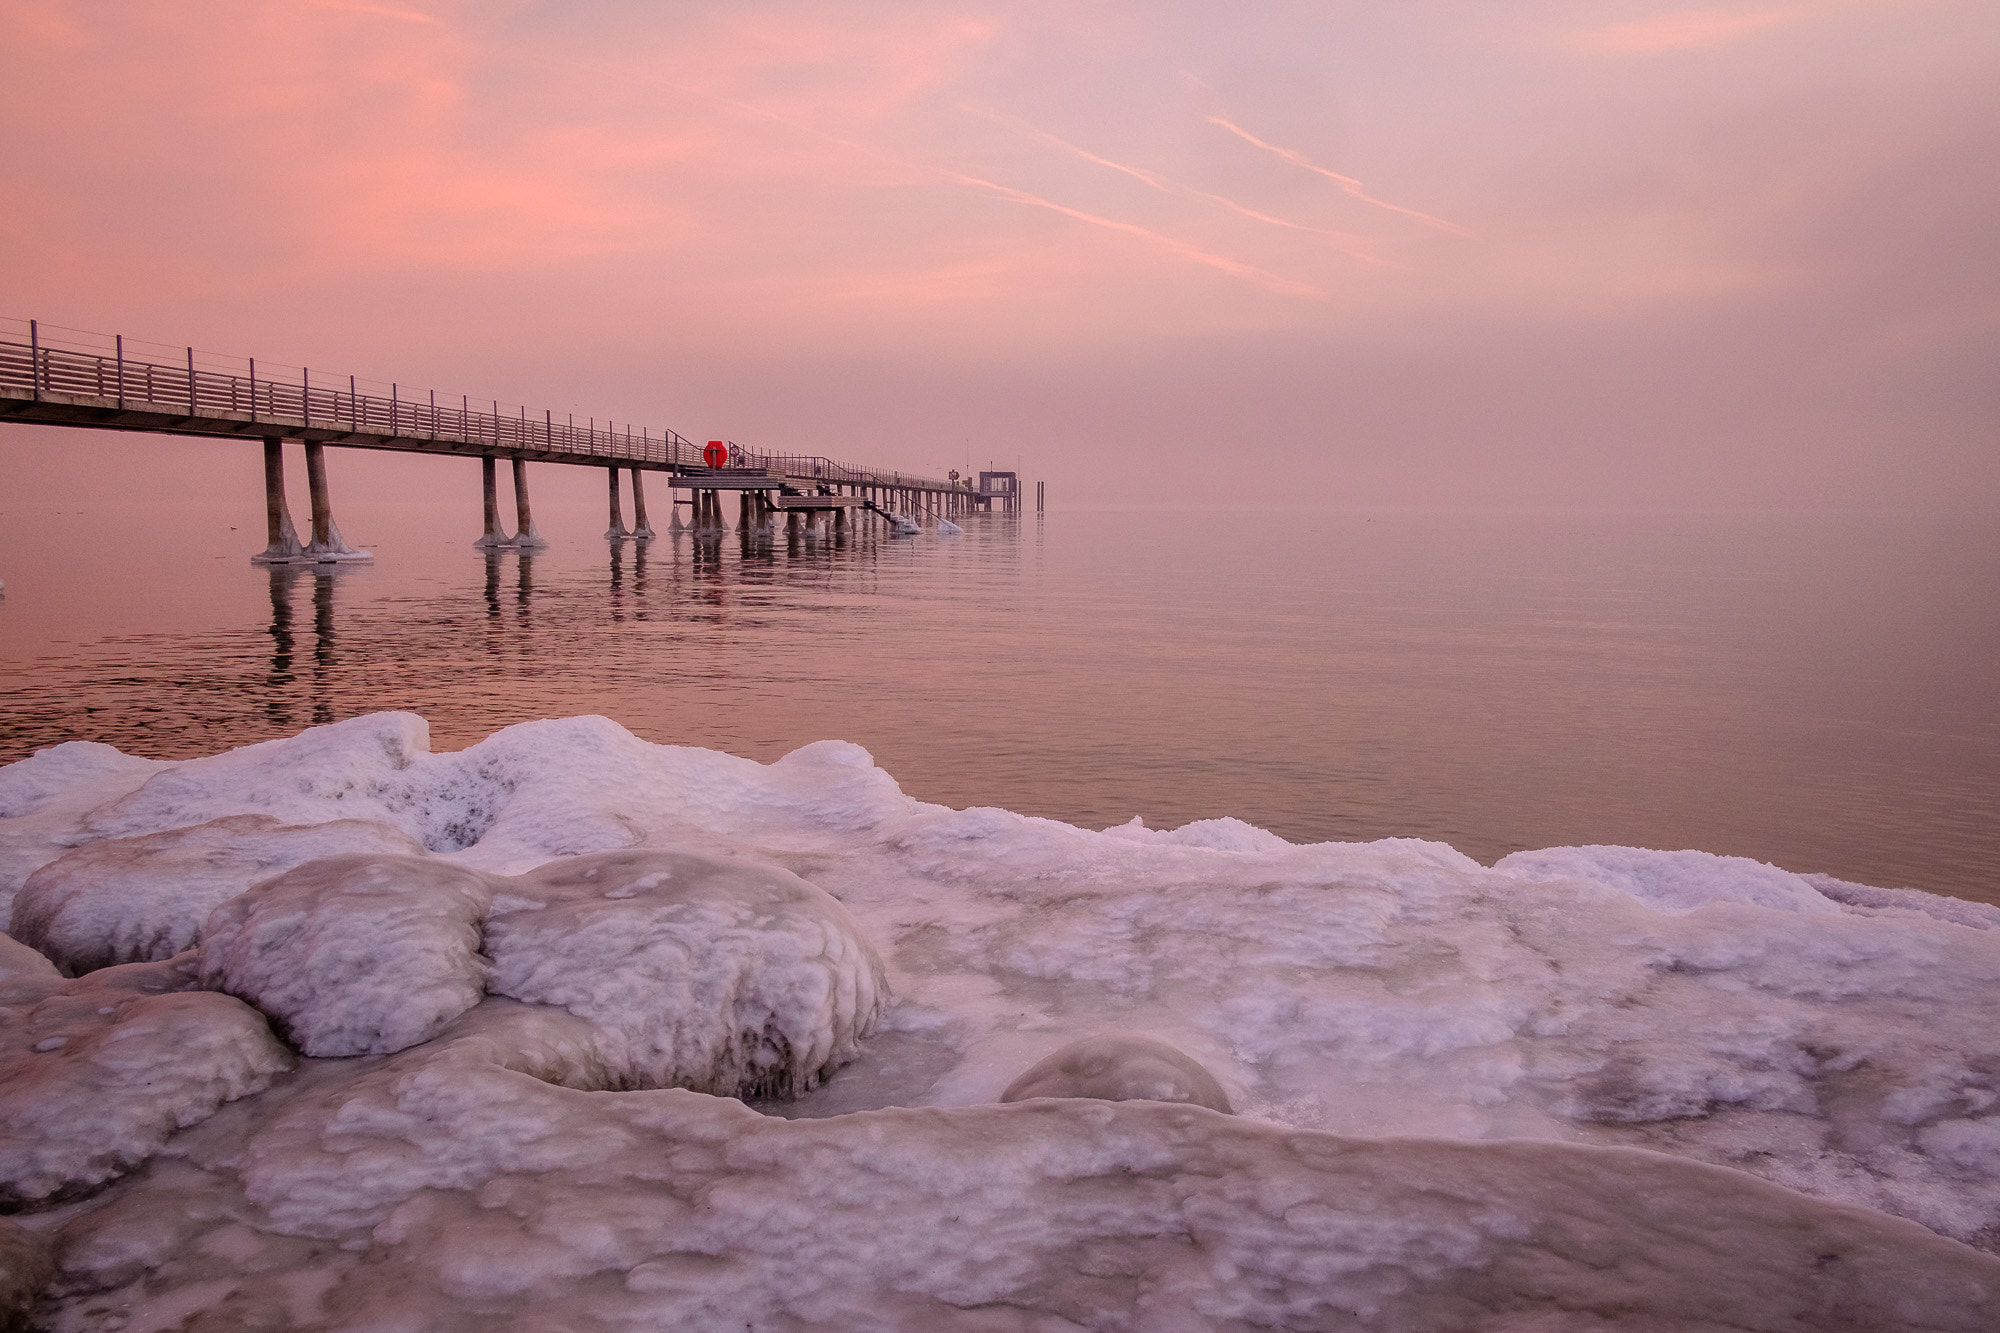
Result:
<point x="716" y="454"/>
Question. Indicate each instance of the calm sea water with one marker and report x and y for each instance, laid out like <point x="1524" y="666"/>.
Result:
<point x="1821" y="694"/>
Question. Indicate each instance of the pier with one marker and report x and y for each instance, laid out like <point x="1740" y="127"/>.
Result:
<point x="64" y="377"/>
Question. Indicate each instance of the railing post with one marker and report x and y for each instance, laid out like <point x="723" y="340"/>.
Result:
<point x="35" y="358"/>
<point x="306" y="392"/>
<point x="194" y="405"/>
<point x="353" y="405"/>
<point x="395" y="414"/>
<point x="253" y="388"/>
<point x="121" y="371"/>
<point x="434" y="414"/>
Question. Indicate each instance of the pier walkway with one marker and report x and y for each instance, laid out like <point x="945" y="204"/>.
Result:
<point x="66" y="377"/>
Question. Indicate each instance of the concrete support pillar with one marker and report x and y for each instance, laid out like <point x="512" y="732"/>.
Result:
<point x="791" y="522"/>
<point x="489" y="499"/>
<point x="743" y="511"/>
<point x="617" y="530"/>
<point x="326" y="541"/>
<point x="525" y="534"/>
<point x="281" y="538"/>
<point x="640" y="527"/>
<point x="840" y="520"/>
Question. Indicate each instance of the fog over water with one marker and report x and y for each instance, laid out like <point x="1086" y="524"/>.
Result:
<point x="1820" y="693"/>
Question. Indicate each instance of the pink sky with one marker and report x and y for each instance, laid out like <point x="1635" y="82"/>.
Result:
<point x="1402" y="253"/>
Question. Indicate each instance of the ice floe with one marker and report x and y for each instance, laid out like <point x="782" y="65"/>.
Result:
<point x="1585" y="1087"/>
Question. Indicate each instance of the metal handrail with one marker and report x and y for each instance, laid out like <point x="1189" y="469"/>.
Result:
<point x="293" y="397"/>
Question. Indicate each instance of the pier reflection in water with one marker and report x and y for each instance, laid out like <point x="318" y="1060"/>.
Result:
<point x="285" y="704"/>
<point x="1821" y="694"/>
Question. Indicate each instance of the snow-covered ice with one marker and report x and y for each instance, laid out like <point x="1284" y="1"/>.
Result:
<point x="1585" y="1087"/>
<point x="143" y="899"/>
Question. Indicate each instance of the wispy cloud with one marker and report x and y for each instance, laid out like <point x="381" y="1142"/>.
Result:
<point x="1689" y="30"/>
<point x="1356" y="247"/>
<point x="377" y="11"/>
<point x="1269" y="281"/>
<point x="1347" y="183"/>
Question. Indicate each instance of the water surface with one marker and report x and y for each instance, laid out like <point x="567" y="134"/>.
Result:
<point x="1822" y="694"/>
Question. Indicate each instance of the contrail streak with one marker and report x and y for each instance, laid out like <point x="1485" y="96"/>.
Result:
<point x="1271" y="282"/>
<point x="1236" y="268"/>
<point x="1348" y="243"/>
<point x="1347" y="183"/>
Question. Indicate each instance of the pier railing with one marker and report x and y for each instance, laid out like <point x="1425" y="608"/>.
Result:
<point x="59" y="365"/>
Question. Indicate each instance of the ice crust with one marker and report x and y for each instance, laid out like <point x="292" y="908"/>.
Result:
<point x="142" y="899"/>
<point x="722" y="978"/>
<point x="97" y="1073"/>
<point x="1586" y="1087"/>
<point x="354" y="955"/>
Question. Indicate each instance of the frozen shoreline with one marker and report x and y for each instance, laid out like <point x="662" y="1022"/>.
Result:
<point x="1441" y="1071"/>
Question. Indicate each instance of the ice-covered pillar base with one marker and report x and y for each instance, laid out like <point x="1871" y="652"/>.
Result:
<point x="489" y="494"/>
<point x="282" y="539"/>
<point x="641" y="528"/>
<point x="525" y="535"/>
<point x="327" y="544"/>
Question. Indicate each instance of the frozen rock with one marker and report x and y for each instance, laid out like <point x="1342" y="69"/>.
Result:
<point x="723" y="977"/>
<point x="95" y="1074"/>
<point x="1120" y="1067"/>
<point x="354" y="955"/>
<point x="132" y="900"/>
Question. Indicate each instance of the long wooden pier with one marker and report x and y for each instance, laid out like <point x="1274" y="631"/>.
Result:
<point x="65" y="377"/>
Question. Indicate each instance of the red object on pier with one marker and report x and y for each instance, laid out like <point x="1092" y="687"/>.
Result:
<point x="716" y="454"/>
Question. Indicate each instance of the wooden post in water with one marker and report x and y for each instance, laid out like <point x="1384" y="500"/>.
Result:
<point x="617" y="530"/>
<point x="322" y="504"/>
<point x="641" y="527"/>
<point x="281" y="538"/>
<point x="524" y="518"/>
<point x="489" y="496"/>
<point x="326" y="543"/>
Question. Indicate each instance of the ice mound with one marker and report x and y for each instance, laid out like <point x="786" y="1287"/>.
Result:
<point x="445" y="1190"/>
<point x="723" y="978"/>
<point x="138" y="900"/>
<point x="1592" y="1086"/>
<point x="354" y="954"/>
<point x="27" y="786"/>
<point x="1120" y="1067"/>
<point x="1673" y="881"/>
<point x="96" y="1074"/>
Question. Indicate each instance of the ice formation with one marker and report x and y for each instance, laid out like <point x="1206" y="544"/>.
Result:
<point x="1586" y="1087"/>
<point x="97" y="1073"/>
<point x="724" y="978"/>
<point x="1120" y="1067"/>
<point x="354" y="955"/>
<point x="143" y="899"/>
